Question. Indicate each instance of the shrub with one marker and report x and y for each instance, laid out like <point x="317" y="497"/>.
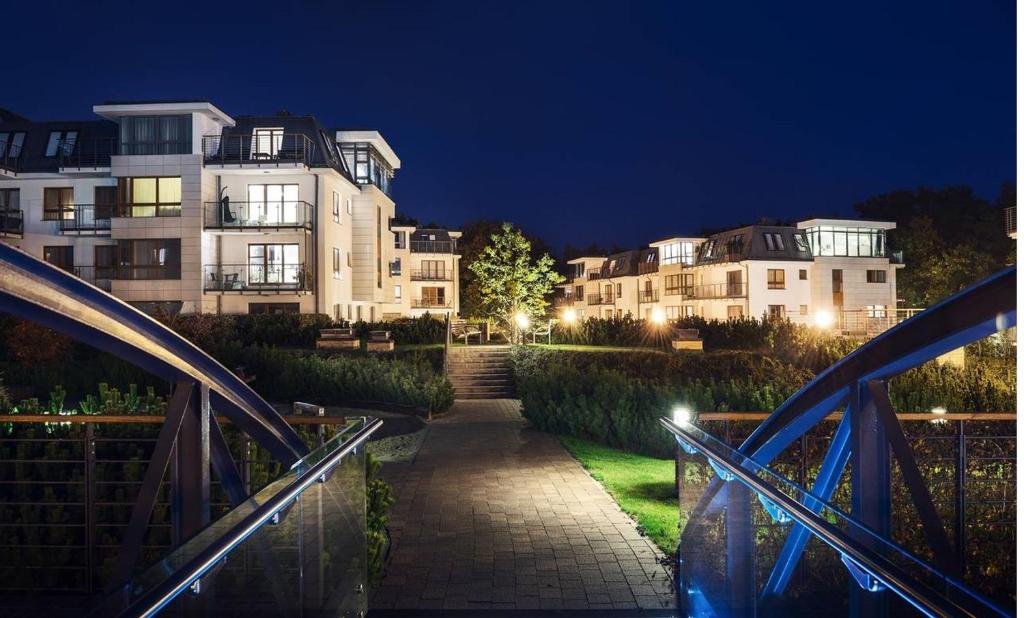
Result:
<point x="31" y="343"/>
<point x="379" y="499"/>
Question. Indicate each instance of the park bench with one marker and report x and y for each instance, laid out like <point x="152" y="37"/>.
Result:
<point x="464" y="330"/>
<point x="686" y="339"/>
<point x="380" y="341"/>
<point x="543" y="331"/>
<point x="337" y="339"/>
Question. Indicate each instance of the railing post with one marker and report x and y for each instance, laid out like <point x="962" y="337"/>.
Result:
<point x="90" y="505"/>
<point x="961" y="497"/>
<point x="193" y="450"/>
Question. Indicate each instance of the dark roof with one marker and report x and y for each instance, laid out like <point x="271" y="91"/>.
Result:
<point x="156" y="101"/>
<point x="424" y="233"/>
<point x="7" y="115"/>
<point x="621" y="264"/>
<point x="325" y="148"/>
<point x="752" y="243"/>
<point x="37" y="136"/>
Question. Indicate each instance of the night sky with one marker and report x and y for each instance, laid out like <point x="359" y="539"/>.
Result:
<point x="581" y="122"/>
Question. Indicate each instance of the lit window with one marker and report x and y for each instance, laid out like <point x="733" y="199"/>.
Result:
<point x="336" y="208"/>
<point x="774" y="241"/>
<point x="776" y="279"/>
<point x="803" y="274"/>
<point x="801" y="243"/>
<point x="61" y="141"/>
<point x="876" y="276"/>
<point x="348" y="205"/>
<point x="337" y="263"/>
<point x="398" y="293"/>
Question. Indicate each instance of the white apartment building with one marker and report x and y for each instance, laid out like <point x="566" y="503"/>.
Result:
<point x="179" y="206"/>
<point x="830" y="272"/>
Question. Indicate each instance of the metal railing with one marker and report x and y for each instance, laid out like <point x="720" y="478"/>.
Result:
<point x="431" y="303"/>
<point x="12" y="223"/>
<point x="648" y="296"/>
<point x="431" y="246"/>
<point x="287" y="149"/>
<point x="133" y="272"/>
<point x="88" y="153"/>
<point x="89" y="274"/>
<point x="431" y="275"/>
<point x="593" y="274"/>
<point x="155" y="148"/>
<point x="600" y="299"/>
<point x="10" y="159"/>
<point x="86" y="218"/>
<point x="647" y="268"/>
<point x="147" y="210"/>
<point x="278" y="278"/>
<point x="258" y="215"/>
<point x="715" y="290"/>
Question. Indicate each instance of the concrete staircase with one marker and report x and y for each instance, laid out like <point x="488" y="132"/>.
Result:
<point x="480" y="371"/>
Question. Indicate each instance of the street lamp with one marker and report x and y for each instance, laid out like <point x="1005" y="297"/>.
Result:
<point x="569" y="316"/>
<point x="658" y="316"/>
<point x="823" y="319"/>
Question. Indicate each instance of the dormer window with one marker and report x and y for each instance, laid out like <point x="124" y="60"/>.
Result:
<point x="774" y="242"/>
<point x="11" y="144"/>
<point x="62" y="142"/>
<point x="266" y="142"/>
<point x="801" y="243"/>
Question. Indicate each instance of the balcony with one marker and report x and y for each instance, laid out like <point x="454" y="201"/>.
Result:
<point x="89" y="275"/>
<point x="593" y="274"/>
<point x="565" y="301"/>
<point x="648" y="268"/>
<point x="431" y="303"/>
<point x="133" y="272"/>
<point x="287" y="150"/>
<point x="142" y="211"/>
<point x="431" y="246"/>
<point x="648" y="296"/>
<point x="715" y="290"/>
<point x="600" y="299"/>
<point x="257" y="216"/>
<point x="430" y="275"/>
<point x="87" y="155"/>
<point x="10" y="160"/>
<point x="85" y="220"/>
<point x="12" y="223"/>
<point x="257" y="278"/>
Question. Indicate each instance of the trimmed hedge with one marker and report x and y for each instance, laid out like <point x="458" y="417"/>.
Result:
<point x="616" y="398"/>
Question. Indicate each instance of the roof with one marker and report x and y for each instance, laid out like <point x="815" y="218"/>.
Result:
<point x="113" y="110"/>
<point x="861" y="223"/>
<point x="374" y="138"/>
<point x="7" y="115"/>
<point x="752" y="243"/>
<point x="675" y="239"/>
<point x="33" y="157"/>
<point x="623" y="264"/>
<point x="325" y="148"/>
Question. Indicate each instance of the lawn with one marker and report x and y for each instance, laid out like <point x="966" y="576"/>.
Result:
<point x="569" y="347"/>
<point x="643" y="486"/>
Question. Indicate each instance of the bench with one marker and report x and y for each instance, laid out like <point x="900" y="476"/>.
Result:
<point x="543" y="331"/>
<point x="337" y="339"/>
<point x="686" y="339"/>
<point x="465" y="330"/>
<point x="380" y="341"/>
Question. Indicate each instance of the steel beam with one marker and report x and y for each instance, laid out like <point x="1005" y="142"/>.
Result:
<point x="740" y="551"/>
<point x="192" y="489"/>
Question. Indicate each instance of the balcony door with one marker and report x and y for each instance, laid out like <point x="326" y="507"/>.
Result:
<point x="433" y="297"/>
<point x="274" y="264"/>
<point x="273" y="204"/>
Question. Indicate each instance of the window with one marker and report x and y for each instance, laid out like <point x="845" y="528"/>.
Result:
<point x="876" y="311"/>
<point x="876" y="276"/>
<point x="803" y="309"/>
<point x="348" y="208"/>
<point x="432" y="270"/>
<point x="396" y="267"/>
<point x="399" y="238"/>
<point x="158" y="258"/>
<point x="273" y="204"/>
<point x="266" y="143"/>
<point x="801" y="243"/>
<point x="58" y="202"/>
<point x="336" y="208"/>
<point x="152" y="135"/>
<point x="150" y="197"/>
<point x="272" y="308"/>
<point x="830" y="240"/>
<point x="734" y="312"/>
<point x="348" y="259"/>
<point x="734" y="244"/>
<point x="776" y="279"/>
<point x="10" y="199"/>
<point x="776" y="312"/>
<point x="61" y="257"/>
<point x="349" y="312"/>
<point x="676" y="253"/>
<point x="62" y="142"/>
<point x="11" y="144"/>
<point x="708" y="250"/>
<point x="337" y="263"/>
<point x="673" y="285"/>
<point x="673" y="313"/>
<point x="275" y="264"/>
<point x="578" y="293"/>
<point x="433" y="297"/>
<point x="774" y="241"/>
<point x="803" y="274"/>
<point x="618" y="290"/>
<point x="734" y="283"/>
<point x="688" y="311"/>
<point x="398" y="293"/>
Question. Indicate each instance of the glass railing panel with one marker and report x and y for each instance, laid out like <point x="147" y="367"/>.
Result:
<point x="772" y="523"/>
<point x="309" y="559"/>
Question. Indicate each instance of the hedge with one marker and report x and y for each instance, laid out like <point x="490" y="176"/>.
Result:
<point x="616" y="398"/>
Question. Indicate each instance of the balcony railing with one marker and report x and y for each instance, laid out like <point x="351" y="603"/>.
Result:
<point x="431" y="303"/>
<point x="289" y="149"/>
<point x="258" y="215"/>
<point x="431" y="246"/>
<point x="431" y="275"/>
<point x="88" y="153"/>
<point x="600" y="299"/>
<point x="155" y="148"/>
<point x="593" y="273"/>
<point x="10" y="158"/>
<point x="648" y="296"/>
<point x="258" y="278"/>
<point x="647" y="268"/>
<point x="715" y="290"/>
<point x="86" y="219"/>
<point x="12" y="223"/>
<point x="132" y="272"/>
<point x="89" y="274"/>
<point x="139" y="211"/>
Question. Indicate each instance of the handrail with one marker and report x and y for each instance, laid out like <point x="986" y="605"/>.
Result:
<point x="921" y="596"/>
<point x="179" y="581"/>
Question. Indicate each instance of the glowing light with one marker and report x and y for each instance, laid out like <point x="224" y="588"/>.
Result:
<point x="522" y="320"/>
<point x="569" y="316"/>
<point x="938" y="410"/>
<point x="658" y="316"/>
<point x="823" y="319"/>
<point x="681" y="415"/>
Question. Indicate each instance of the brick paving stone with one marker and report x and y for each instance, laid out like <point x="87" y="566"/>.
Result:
<point x="494" y="515"/>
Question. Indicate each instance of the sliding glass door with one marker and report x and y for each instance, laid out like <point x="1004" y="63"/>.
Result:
<point x="274" y="264"/>
<point x="273" y="204"/>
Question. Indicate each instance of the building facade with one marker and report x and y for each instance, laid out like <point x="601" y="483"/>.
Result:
<point x="176" y="205"/>
<point x="829" y="272"/>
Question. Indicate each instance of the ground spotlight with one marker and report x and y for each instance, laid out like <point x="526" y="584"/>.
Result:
<point x="569" y="316"/>
<point x="658" y="316"/>
<point x="823" y="319"/>
<point x="681" y="415"/>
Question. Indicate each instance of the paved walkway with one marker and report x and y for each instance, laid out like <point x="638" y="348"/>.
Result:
<point x="494" y="515"/>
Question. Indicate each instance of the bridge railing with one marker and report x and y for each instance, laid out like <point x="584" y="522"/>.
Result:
<point x="297" y="547"/>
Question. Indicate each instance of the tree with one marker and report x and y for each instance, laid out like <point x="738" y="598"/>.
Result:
<point x="476" y="235"/>
<point x="949" y="237"/>
<point x="510" y="282"/>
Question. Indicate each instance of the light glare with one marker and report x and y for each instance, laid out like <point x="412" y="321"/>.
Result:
<point x="658" y="316"/>
<point x="823" y="319"/>
<point x="681" y="415"/>
<point x="522" y="320"/>
<point x="569" y="316"/>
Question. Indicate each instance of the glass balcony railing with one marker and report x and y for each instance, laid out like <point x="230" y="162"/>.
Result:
<point x="431" y="303"/>
<point x="87" y="153"/>
<point x="296" y="548"/>
<point x="12" y="223"/>
<point x="261" y="277"/>
<point x="648" y="296"/>
<point x="86" y="219"/>
<point x="258" y="215"/>
<point x="600" y="299"/>
<point x="269" y="150"/>
<point x="432" y="246"/>
<point x="431" y="275"/>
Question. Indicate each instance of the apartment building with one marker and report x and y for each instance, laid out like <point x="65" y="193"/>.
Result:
<point x="176" y="205"/>
<point x="830" y="272"/>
